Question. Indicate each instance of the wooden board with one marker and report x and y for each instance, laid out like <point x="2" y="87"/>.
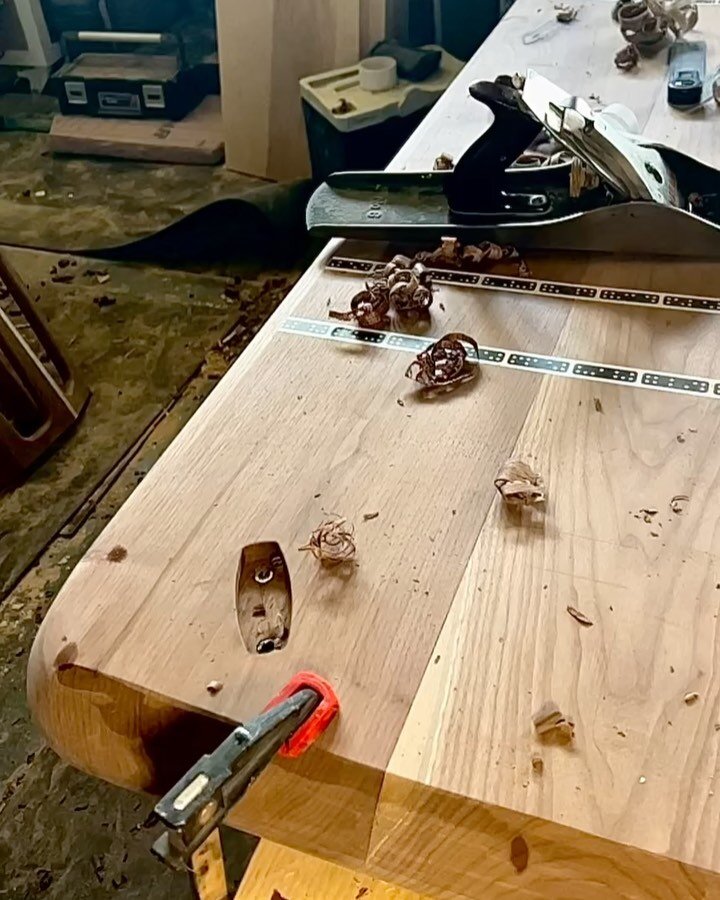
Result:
<point x="198" y="138"/>
<point x="265" y="47"/>
<point x="276" y="870"/>
<point x="453" y="630"/>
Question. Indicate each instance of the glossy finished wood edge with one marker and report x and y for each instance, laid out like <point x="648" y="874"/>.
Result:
<point x="424" y="838"/>
<point x="140" y="742"/>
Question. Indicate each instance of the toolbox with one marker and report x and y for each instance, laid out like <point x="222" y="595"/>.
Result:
<point x="138" y="75"/>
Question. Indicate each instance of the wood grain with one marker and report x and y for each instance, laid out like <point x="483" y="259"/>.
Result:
<point x="454" y="628"/>
<point x="265" y="47"/>
<point x="276" y="870"/>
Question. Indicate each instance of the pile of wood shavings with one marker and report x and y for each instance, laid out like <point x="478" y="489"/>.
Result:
<point x="401" y="285"/>
<point x="444" y="365"/>
<point x="332" y="542"/>
<point x="519" y="485"/>
<point x="451" y="254"/>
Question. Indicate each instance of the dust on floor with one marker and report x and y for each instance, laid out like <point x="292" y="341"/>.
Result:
<point x="135" y="335"/>
<point x="63" y="834"/>
<point x="96" y="202"/>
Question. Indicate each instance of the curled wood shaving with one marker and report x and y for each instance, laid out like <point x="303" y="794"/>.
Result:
<point x="444" y="162"/>
<point x="214" y="687"/>
<point x="691" y="698"/>
<point x="332" y="542"/>
<point x="451" y="254"/>
<point x="369" y="308"/>
<point x="537" y="764"/>
<point x="397" y="262"/>
<point x="445" y="363"/>
<point x="550" y="720"/>
<point x="371" y="515"/>
<point x="519" y="485"/>
<point x="579" y="616"/>
<point x="582" y="177"/>
<point x="627" y="58"/>
<point x="677" y="504"/>
<point x="565" y="13"/>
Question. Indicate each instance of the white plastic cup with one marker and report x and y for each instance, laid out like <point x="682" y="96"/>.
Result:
<point x="378" y="73"/>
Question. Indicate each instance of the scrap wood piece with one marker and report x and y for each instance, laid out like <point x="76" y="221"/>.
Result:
<point x="550" y="720"/>
<point x="519" y="485"/>
<point x="445" y="363"/>
<point x="332" y="542"/>
<point x="579" y="616"/>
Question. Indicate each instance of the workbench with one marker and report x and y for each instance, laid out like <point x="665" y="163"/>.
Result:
<point x="453" y="629"/>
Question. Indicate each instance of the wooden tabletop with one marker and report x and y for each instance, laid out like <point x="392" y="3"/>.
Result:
<point x="454" y="629"/>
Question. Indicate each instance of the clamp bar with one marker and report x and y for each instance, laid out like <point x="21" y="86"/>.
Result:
<point x="199" y="803"/>
<point x="202" y="799"/>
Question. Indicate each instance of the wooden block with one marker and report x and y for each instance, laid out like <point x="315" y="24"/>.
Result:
<point x="276" y="871"/>
<point x="266" y="46"/>
<point x="198" y="138"/>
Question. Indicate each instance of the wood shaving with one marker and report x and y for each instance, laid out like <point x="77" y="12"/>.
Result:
<point x="565" y="13"/>
<point x="691" y="698"/>
<point x="342" y="108"/>
<point x="332" y="542"/>
<point x="214" y="687"/>
<point x="444" y="163"/>
<point x="677" y="504"/>
<point x="627" y="58"/>
<point x="451" y="254"/>
<point x="519" y="485"/>
<point x="549" y="720"/>
<point x="598" y="405"/>
<point x="445" y="363"/>
<point x="538" y="765"/>
<point x="579" y="616"/>
<point x="369" y="307"/>
<point x="369" y="516"/>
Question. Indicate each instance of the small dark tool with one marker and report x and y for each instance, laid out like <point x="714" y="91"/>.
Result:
<point x="201" y="801"/>
<point x="686" y="72"/>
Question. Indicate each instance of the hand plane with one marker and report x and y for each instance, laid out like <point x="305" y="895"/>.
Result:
<point x="614" y="191"/>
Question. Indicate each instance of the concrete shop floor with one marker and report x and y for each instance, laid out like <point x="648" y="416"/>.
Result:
<point x="151" y="353"/>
